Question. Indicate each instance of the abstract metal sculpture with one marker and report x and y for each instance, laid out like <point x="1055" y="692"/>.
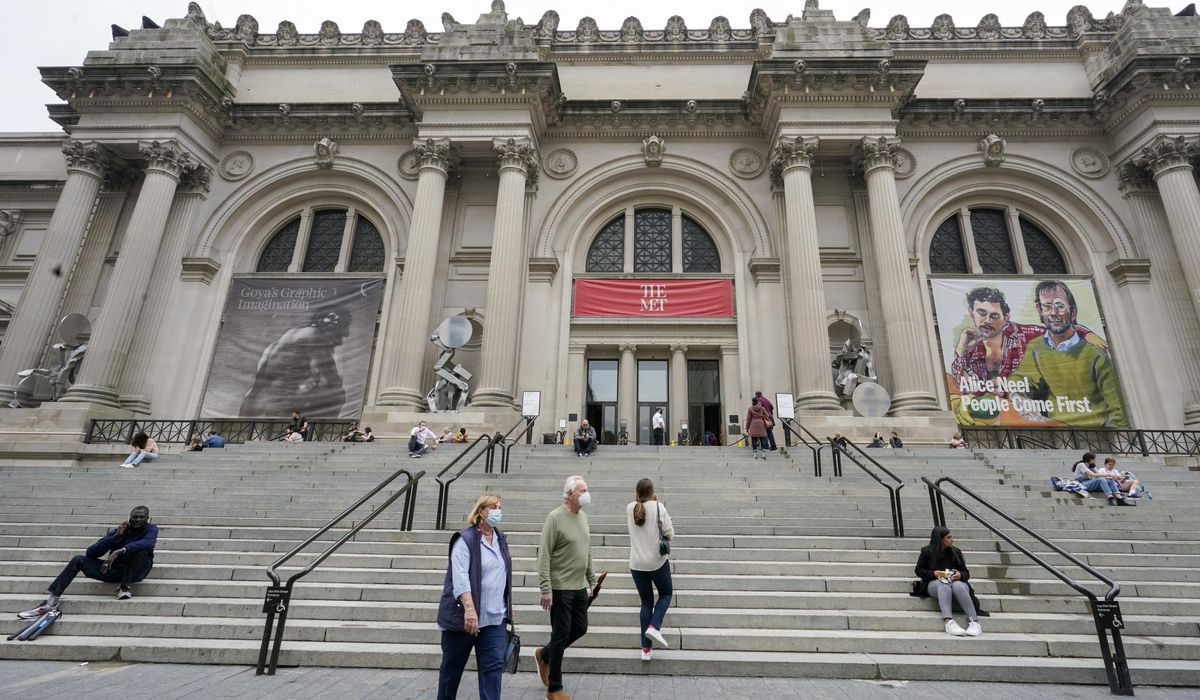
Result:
<point x="853" y="365"/>
<point x="40" y="384"/>
<point x="450" y="392"/>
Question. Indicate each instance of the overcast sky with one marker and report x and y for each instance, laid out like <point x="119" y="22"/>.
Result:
<point x="56" y="33"/>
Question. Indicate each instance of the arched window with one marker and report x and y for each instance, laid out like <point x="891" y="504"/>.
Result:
<point x="323" y="235"/>
<point x="996" y="247"/>
<point x="607" y="253"/>
<point x="652" y="240"/>
<point x="699" y="251"/>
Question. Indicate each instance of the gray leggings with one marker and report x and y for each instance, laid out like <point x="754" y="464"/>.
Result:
<point x="961" y="592"/>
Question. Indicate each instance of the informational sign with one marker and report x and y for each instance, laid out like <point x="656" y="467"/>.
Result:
<point x="293" y="344"/>
<point x="277" y="599"/>
<point x="658" y="298"/>
<point x="531" y="404"/>
<point x="785" y="406"/>
<point x="1028" y="352"/>
<point x="1109" y="612"/>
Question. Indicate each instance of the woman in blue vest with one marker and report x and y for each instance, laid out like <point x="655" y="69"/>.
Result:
<point x="476" y="601"/>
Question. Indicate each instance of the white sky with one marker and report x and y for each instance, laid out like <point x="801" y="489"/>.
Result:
<point x="60" y="33"/>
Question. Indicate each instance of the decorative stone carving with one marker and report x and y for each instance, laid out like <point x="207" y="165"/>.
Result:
<point x="943" y="27"/>
<point x="560" y="163"/>
<point x="409" y="165"/>
<point x="906" y="163"/>
<point x="197" y="180"/>
<point x="286" y="34"/>
<point x="1038" y="106"/>
<point x="414" y="32"/>
<point x="652" y="150"/>
<point x="196" y="15"/>
<point x="719" y="30"/>
<point x="236" y="165"/>
<point x="1034" y="27"/>
<point x="1090" y="162"/>
<point x="246" y="29"/>
<point x="433" y="153"/>
<point x="747" y="163"/>
<point x="1079" y="20"/>
<point x="166" y="156"/>
<point x="960" y="108"/>
<point x="548" y="26"/>
<point x="631" y="29"/>
<point x="1166" y="153"/>
<point x="85" y="155"/>
<point x="691" y="106"/>
<point x="330" y="34"/>
<point x="1135" y="179"/>
<point x="514" y="153"/>
<point x="798" y="152"/>
<point x="676" y="29"/>
<point x="992" y="147"/>
<point x="448" y="23"/>
<point x="615" y="106"/>
<point x="989" y="27"/>
<point x="325" y="150"/>
<point x="877" y="152"/>
<point x="284" y="109"/>
<point x="10" y="221"/>
<point x="587" y="30"/>
<point x="372" y="33"/>
<point x="897" y="28"/>
<point x="761" y="23"/>
<point x="863" y="18"/>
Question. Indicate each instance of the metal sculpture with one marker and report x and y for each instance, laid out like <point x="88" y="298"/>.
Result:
<point x="853" y="365"/>
<point x="451" y="391"/>
<point x="40" y="384"/>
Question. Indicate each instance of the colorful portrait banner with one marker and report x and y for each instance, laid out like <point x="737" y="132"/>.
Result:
<point x="1029" y="352"/>
<point x="287" y="344"/>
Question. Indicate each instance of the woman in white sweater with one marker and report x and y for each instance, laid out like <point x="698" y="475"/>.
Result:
<point x="649" y="521"/>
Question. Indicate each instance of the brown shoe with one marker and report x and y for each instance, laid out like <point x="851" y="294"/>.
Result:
<point x="543" y="668"/>
<point x="557" y="695"/>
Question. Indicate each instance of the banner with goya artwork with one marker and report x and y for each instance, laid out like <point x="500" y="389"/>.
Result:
<point x="1027" y="352"/>
<point x="293" y="344"/>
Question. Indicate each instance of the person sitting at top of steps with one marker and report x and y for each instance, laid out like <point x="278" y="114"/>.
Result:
<point x="957" y="442"/>
<point x="877" y="441"/>
<point x="1093" y="480"/>
<point x="585" y="439"/>
<point x="144" y="449"/>
<point x="944" y="575"/>
<point x="213" y="440"/>
<point x="895" y="441"/>
<point x="421" y="439"/>
<point x="1125" y="481"/>
<point x="125" y="555"/>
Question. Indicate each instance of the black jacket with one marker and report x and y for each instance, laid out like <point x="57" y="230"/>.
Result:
<point x="951" y="559"/>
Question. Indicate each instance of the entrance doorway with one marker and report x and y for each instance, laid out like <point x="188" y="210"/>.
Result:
<point x="652" y="395"/>
<point x="704" y="401"/>
<point x="601" y="410"/>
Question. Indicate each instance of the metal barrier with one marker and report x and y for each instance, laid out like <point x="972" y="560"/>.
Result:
<point x="182" y="431"/>
<point x="443" y="504"/>
<point x="278" y="598"/>
<point x="842" y="449"/>
<point x="1105" y="613"/>
<point x="506" y="445"/>
<point x="1109" y="440"/>
<point x="813" y="443"/>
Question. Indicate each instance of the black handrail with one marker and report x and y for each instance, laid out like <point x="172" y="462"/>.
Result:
<point x="278" y="599"/>
<point x="1022" y="439"/>
<point x="840" y="448"/>
<point x="443" y="504"/>
<point x="1112" y="440"/>
<point x="506" y="445"/>
<point x="181" y="431"/>
<point x="794" y="427"/>
<point x="1106" y="615"/>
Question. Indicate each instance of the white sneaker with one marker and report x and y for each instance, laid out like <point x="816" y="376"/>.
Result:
<point x="127" y="465"/>
<point x="647" y="654"/>
<point x="973" y="629"/>
<point x="653" y="634"/>
<point x="953" y="628"/>
<point x="124" y="593"/>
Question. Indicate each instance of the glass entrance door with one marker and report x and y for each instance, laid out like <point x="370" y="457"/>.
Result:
<point x="652" y="395"/>
<point x="601" y="411"/>
<point x="704" y="402"/>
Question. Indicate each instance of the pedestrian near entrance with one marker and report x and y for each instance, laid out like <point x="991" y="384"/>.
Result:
<point x="476" y="602"/>
<point x="660" y="426"/>
<point x="566" y="579"/>
<point x="766" y="403"/>
<point x="756" y="428"/>
<point x="649" y="523"/>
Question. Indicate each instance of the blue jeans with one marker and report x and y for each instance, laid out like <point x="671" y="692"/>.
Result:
<point x="136" y="458"/>
<point x="489" y="647"/>
<point x="1108" y="486"/>
<point x="653" y="613"/>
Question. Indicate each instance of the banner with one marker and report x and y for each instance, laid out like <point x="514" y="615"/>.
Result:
<point x="302" y="344"/>
<point x="1026" y="353"/>
<point x="663" y="298"/>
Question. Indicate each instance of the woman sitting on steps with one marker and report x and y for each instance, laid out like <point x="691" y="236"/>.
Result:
<point x="944" y="575"/>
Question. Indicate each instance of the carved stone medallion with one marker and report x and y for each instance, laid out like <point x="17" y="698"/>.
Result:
<point x="236" y="165"/>
<point x="409" y="165"/>
<point x="1090" y="163"/>
<point x="747" y="163"/>
<point x="560" y="163"/>
<point x="906" y="163"/>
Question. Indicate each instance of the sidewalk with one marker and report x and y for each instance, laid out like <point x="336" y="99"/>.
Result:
<point x="31" y="680"/>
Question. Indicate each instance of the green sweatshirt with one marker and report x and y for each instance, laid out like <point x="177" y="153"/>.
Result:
<point x="565" y="552"/>
<point x="1077" y="386"/>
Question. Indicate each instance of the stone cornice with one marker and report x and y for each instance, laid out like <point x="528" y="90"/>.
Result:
<point x="764" y="270"/>
<point x="199" y="270"/>
<point x="343" y="118"/>
<point x="776" y="82"/>
<point x="543" y="269"/>
<point x="1126" y="271"/>
<point x="532" y="84"/>
<point x="974" y="116"/>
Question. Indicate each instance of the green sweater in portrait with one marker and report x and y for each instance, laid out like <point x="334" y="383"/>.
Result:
<point x="565" y="552"/>
<point x="1065" y="378"/>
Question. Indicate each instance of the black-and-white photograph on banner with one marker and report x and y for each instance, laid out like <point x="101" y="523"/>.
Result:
<point x="293" y="344"/>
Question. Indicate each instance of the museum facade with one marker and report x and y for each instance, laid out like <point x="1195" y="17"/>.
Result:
<point x="998" y="225"/>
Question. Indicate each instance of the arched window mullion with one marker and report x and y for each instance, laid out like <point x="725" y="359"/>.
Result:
<point x="368" y="253"/>
<point x="279" y="252"/>
<point x="302" y="240"/>
<point x="1043" y="253"/>
<point x="607" y="250"/>
<point x="947" y="254"/>
<point x="347" y="240"/>
<point x="700" y="253"/>
<point x="993" y="241"/>
<point x="652" y="240"/>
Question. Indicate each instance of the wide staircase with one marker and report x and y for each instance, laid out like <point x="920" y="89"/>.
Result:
<point x="777" y="572"/>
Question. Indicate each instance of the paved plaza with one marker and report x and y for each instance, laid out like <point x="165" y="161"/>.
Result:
<point x="31" y="680"/>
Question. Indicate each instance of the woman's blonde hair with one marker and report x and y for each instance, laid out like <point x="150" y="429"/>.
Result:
<point x="485" y="501"/>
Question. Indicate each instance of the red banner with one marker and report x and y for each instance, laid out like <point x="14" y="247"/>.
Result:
<point x="661" y="298"/>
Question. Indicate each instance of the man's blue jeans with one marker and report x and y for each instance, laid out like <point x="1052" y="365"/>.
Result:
<point x="1108" y="486"/>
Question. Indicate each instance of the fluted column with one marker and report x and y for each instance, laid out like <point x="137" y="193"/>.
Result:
<point x="408" y="317"/>
<point x="627" y="391"/>
<point x="1169" y="159"/>
<point x="35" y="316"/>
<point x="909" y="360"/>
<point x="89" y="266"/>
<point x="806" y="290"/>
<point x="731" y="394"/>
<point x="506" y="276"/>
<point x="136" y="384"/>
<point x="677" y="407"/>
<point x="114" y="331"/>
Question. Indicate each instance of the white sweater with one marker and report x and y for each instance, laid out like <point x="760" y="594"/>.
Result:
<point x="643" y="540"/>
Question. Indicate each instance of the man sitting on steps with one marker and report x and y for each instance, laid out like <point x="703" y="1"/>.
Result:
<point x="125" y="555"/>
<point x="585" y="439"/>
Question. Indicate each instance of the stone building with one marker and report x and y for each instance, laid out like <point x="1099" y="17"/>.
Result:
<point x="557" y="185"/>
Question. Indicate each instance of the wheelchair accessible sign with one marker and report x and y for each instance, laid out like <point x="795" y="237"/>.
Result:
<point x="277" y="599"/>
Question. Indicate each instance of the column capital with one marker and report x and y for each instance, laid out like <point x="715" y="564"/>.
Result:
<point x="1167" y="153"/>
<point x="196" y="180"/>
<point x="627" y="347"/>
<point x="797" y="152"/>
<point x="167" y="157"/>
<point x="876" y="152"/>
<point x="1135" y="179"/>
<point x="678" y="347"/>
<point x="517" y="153"/>
<point x="9" y="221"/>
<point x="87" y="157"/>
<point x="434" y="154"/>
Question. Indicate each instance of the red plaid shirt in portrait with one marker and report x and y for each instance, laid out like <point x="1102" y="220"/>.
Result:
<point x="1014" y="338"/>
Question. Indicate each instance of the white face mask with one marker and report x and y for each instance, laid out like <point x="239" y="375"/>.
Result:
<point x="585" y="499"/>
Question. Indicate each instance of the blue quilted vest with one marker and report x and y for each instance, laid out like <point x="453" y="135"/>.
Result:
<point x="450" y="609"/>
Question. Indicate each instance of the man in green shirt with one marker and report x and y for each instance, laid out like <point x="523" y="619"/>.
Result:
<point x="566" y="579"/>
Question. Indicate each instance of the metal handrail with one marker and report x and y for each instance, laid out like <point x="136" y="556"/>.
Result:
<point x="1112" y="440"/>
<point x="1022" y="439"/>
<point x="1115" y="666"/>
<point x="278" y="598"/>
<point x="793" y="427"/>
<point x="182" y="430"/>
<point x="506" y="445"/>
<point x="841" y="449"/>
<point x="443" y="504"/>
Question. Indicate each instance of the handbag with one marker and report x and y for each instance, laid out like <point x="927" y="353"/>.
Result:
<point x="512" y="648"/>
<point x="664" y="545"/>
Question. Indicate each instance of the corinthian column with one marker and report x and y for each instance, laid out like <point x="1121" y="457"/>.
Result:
<point x="34" y="319"/>
<point x="806" y="291"/>
<point x="136" y="384"/>
<point x="1169" y="159"/>
<point x="911" y="371"/>
<point x="408" y="315"/>
<point x="116" y="329"/>
<point x="505" y="276"/>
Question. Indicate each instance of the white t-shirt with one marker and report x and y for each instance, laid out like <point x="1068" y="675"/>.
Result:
<point x="643" y="539"/>
<point x="422" y="434"/>
<point x="659" y="422"/>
